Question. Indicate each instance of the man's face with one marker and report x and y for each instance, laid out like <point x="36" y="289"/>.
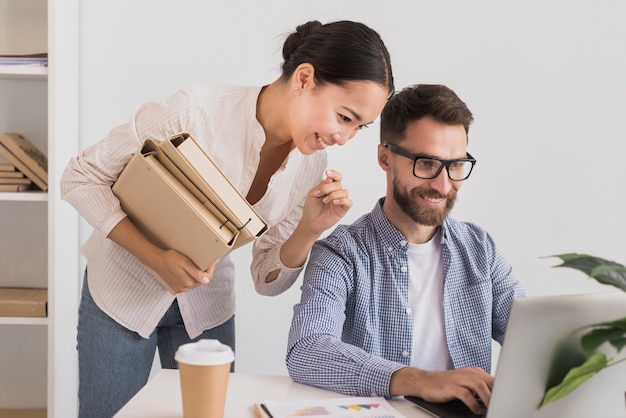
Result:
<point x="410" y="203"/>
<point x="427" y="202"/>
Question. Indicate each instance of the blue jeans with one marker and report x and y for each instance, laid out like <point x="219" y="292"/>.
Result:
<point x="114" y="362"/>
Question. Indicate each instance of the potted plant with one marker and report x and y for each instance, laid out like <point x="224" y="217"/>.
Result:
<point x="594" y="335"/>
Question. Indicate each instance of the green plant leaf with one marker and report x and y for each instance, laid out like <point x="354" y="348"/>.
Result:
<point x="613" y="333"/>
<point x="604" y="271"/>
<point x="575" y="377"/>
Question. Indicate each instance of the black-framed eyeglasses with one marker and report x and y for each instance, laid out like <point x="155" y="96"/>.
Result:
<point x="428" y="168"/>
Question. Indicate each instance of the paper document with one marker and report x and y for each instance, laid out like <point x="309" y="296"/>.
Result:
<point x="38" y="60"/>
<point x="368" y="407"/>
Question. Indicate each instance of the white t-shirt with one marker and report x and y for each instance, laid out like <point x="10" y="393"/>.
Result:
<point x="429" y="349"/>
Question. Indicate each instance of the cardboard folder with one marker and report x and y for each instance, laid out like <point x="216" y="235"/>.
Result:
<point x="160" y="198"/>
<point x="189" y="162"/>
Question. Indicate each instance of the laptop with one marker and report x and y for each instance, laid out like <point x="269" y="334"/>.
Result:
<point x="539" y="348"/>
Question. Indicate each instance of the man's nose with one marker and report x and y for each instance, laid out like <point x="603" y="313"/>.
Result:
<point x="442" y="182"/>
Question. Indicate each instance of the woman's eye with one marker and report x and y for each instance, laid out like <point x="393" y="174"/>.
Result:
<point x="345" y="118"/>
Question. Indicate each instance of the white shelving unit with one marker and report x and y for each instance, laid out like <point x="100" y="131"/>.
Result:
<point x="10" y="320"/>
<point x="9" y="71"/>
<point x="39" y="235"/>
<point x="24" y="220"/>
<point x="24" y="196"/>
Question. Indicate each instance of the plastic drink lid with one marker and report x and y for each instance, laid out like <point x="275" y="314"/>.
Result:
<point x="204" y="353"/>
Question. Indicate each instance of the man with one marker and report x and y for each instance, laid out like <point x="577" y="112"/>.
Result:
<point x="406" y="300"/>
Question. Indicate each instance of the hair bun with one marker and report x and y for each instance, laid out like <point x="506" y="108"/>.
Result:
<point x="297" y="38"/>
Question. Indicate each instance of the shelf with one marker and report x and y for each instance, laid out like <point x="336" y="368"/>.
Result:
<point x="24" y="196"/>
<point x="18" y="71"/>
<point x="13" y="320"/>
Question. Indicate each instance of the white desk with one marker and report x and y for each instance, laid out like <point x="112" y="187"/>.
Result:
<point x="160" y="398"/>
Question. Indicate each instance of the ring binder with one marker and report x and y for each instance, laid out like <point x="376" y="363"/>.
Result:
<point x="180" y="200"/>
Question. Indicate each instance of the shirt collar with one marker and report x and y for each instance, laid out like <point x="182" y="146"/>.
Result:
<point x="391" y="237"/>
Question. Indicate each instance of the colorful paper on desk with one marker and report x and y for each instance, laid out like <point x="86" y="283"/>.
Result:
<point x="368" y="407"/>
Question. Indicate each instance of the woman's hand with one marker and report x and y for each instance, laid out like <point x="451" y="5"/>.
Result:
<point x="178" y="272"/>
<point x="325" y="204"/>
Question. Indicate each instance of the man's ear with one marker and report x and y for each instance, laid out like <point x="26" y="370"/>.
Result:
<point x="304" y="76"/>
<point x="383" y="157"/>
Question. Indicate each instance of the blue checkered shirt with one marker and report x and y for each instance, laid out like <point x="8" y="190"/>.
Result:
<point x="353" y="328"/>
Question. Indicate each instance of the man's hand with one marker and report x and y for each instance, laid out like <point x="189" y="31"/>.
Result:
<point x="463" y="384"/>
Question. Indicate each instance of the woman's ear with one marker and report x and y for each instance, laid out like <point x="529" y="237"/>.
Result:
<point x="304" y="76"/>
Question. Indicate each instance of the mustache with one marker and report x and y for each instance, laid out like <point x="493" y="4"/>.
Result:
<point x="429" y="193"/>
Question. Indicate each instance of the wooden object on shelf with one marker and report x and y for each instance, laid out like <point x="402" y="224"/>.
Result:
<point x="7" y="168"/>
<point x="9" y="180"/>
<point x="11" y="174"/>
<point x="26" y="157"/>
<point x="23" y="302"/>
<point x="13" y="188"/>
<point x="23" y="413"/>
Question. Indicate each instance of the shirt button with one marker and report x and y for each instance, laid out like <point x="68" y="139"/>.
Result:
<point x="408" y="310"/>
<point x="403" y="269"/>
<point x="405" y="353"/>
<point x="390" y="248"/>
<point x="403" y="243"/>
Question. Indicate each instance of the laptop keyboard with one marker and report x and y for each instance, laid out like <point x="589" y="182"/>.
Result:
<point x="451" y="409"/>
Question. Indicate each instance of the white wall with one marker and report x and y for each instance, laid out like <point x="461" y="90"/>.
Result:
<point x="545" y="81"/>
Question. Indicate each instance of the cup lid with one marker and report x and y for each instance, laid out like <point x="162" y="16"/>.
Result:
<point x="204" y="352"/>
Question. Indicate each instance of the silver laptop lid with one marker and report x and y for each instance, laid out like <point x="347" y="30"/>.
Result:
<point x="539" y="347"/>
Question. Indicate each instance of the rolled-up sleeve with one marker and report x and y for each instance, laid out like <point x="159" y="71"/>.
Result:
<point x="282" y="208"/>
<point x="266" y="257"/>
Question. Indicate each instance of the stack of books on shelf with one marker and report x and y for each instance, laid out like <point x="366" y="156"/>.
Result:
<point x="26" y="166"/>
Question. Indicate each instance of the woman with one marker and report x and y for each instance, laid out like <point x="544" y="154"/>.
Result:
<point x="270" y="142"/>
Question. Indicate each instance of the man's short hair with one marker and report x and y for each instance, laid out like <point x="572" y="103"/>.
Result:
<point x="417" y="101"/>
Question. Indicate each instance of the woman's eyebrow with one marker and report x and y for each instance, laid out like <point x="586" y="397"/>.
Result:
<point x="354" y="113"/>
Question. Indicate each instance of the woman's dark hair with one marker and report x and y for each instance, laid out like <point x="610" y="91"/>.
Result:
<point x="418" y="101"/>
<point x="339" y="51"/>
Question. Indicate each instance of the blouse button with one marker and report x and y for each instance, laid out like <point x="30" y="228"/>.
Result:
<point x="405" y="353"/>
<point x="403" y="243"/>
<point x="408" y="310"/>
<point x="403" y="269"/>
<point x="390" y="248"/>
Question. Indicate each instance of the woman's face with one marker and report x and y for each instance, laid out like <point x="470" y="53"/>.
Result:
<point x="323" y="115"/>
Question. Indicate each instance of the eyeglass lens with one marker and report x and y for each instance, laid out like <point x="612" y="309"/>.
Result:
<point x="428" y="168"/>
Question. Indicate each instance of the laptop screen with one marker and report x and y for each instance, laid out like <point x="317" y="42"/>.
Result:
<point x="540" y="346"/>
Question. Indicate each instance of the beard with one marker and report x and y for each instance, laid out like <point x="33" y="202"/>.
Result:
<point x="409" y="203"/>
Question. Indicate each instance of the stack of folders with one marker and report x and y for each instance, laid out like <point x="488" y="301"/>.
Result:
<point x="26" y="167"/>
<point x="178" y="197"/>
